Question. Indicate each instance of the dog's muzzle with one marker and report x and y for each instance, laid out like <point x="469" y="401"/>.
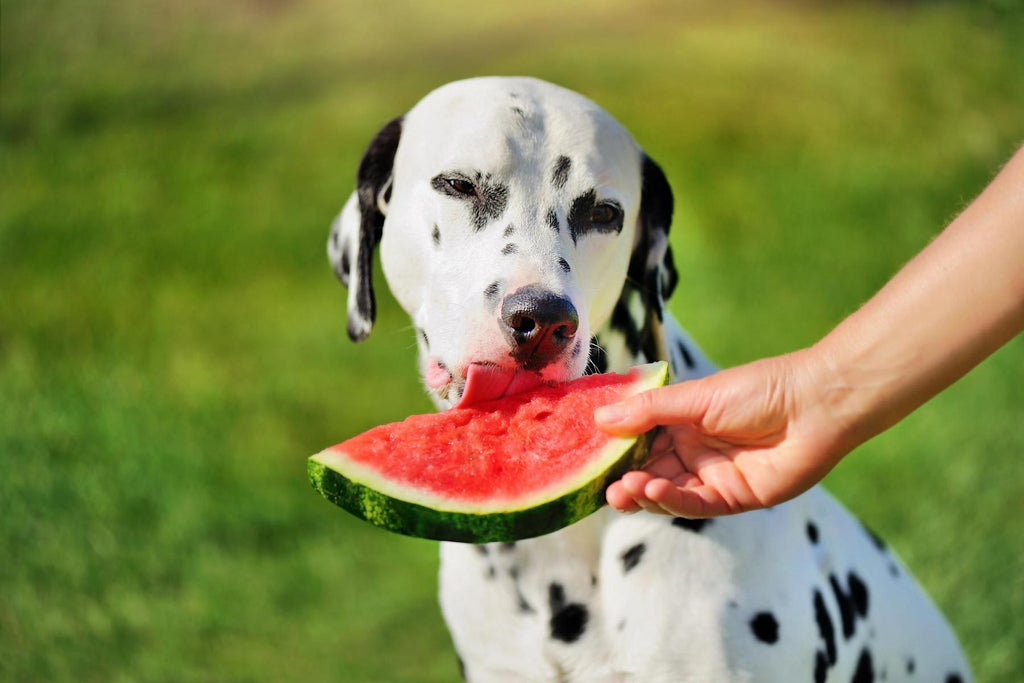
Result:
<point x="538" y="325"/>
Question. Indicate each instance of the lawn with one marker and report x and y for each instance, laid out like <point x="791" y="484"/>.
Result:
<point x="172" y="340"/>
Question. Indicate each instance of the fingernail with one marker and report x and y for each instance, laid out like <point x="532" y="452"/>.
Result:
<point x="610" y="414"/>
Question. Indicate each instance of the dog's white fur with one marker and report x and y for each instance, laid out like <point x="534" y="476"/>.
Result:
<point x="799" y="592"/>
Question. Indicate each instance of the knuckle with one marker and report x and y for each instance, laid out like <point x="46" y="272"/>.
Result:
<point x="645" y="403"/>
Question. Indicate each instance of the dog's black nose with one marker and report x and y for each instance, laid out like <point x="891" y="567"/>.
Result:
<point x="538" y="325"/>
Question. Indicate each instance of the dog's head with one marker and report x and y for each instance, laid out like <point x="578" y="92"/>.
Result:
<point x="510" y="213"/>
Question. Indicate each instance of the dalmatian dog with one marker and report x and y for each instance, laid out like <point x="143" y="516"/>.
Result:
<point x="525" y="233"/>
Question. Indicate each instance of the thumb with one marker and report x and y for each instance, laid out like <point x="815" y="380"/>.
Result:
<point x="673" y="404"/>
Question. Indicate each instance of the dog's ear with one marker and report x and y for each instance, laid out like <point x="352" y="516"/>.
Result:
<point x="651" y="267"/>
<point x="357" y="229"/>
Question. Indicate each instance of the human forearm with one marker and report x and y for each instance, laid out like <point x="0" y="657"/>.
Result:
<point x="955" y="303"/>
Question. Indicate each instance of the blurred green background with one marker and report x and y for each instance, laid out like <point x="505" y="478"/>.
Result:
<point x="172" y="340"/>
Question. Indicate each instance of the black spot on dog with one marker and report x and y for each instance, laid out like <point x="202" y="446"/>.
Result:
<point x="560" y="174"/>
<point x="509" y="230"/>
<point x="631" y="558"/>
<point x="622" y="625"/>
<point x="637" y="332"/>
<point x="346" y="266"/>
<point x="765" y="627"/>
<point x="522" y="605"/>
<point x="846" y="614"/>
<point x="875" y="538"/>
<point x="825" y="628"/>
<point x="481" y="550"/>
<point x="852" y="601"/>
<point x="579" y="214"/>
<point x="491" y="572"/>
<point x="569" y="623"/>
<point x="426" y="340"/>
<point x="564" y="265"/>
<point x="518" y="111"/>
<point x="687" y="356"/>
<point x="507" y="547"/>
<point x="820" y="667"/>
<point x="812" y="532"/>
<point x="598" y="361"/>
<point x="435" y="235"/>
<point x="865" y="671"/>
<point x="509" y="248"/>
<point x="694" y="525"/>
<point x="576" y="348"/>
<point x="487" y="200"/>
<point x="568" y="620"/>
<point x="552" y="220"/>
<point x="858" y="594"/>
<point x="491" y="292"/>
<point x="911" y="665"/>
<point x="622" y="321"/>
<point x="492" y="206"/>
<point x="894" y="570"/>
<point x="584" y="219"/>
<point x="593" y="579"/>
<point x="954" y="678"/>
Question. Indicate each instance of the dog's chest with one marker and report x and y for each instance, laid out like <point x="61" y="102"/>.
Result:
<point x="797" y="589"/>
<point x="585" y="603"/>
<point x="561" y="606"/>
<point x="801" y="591"/>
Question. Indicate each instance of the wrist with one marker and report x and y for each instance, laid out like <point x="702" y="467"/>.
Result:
<point x="833" y="402"/>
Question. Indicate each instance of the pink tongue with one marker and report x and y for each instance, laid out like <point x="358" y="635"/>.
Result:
<point x="488" y="382"/>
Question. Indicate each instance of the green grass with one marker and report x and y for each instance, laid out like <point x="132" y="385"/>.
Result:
<point x="172" y="340"/>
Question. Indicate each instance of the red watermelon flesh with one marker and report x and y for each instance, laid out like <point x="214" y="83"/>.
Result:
<point x="495" y="450"/>
<point x="484" y="472"/>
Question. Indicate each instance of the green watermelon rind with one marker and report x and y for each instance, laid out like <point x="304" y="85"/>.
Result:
<point x="413" y="519"/>
<point x="404" y="511"/>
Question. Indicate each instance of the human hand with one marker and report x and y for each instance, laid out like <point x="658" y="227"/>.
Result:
<point x="762" y="433"/>
<point x="741" y="439"/>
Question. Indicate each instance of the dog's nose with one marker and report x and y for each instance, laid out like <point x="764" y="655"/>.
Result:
<point x="538" y="325"/>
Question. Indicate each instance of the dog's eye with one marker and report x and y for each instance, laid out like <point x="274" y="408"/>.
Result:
<point x="461" y="186"/>
<point x="604" y="213"/>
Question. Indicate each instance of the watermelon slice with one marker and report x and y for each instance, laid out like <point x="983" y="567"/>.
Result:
<point x="498" y="470"/>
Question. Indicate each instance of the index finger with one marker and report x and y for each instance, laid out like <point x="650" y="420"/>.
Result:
<point x="672" y="404"/>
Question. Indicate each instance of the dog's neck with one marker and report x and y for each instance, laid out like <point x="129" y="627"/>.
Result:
<point x="631" y="336"/>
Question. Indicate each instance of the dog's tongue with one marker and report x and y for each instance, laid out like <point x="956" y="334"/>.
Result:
<point x="488" y="382"/>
